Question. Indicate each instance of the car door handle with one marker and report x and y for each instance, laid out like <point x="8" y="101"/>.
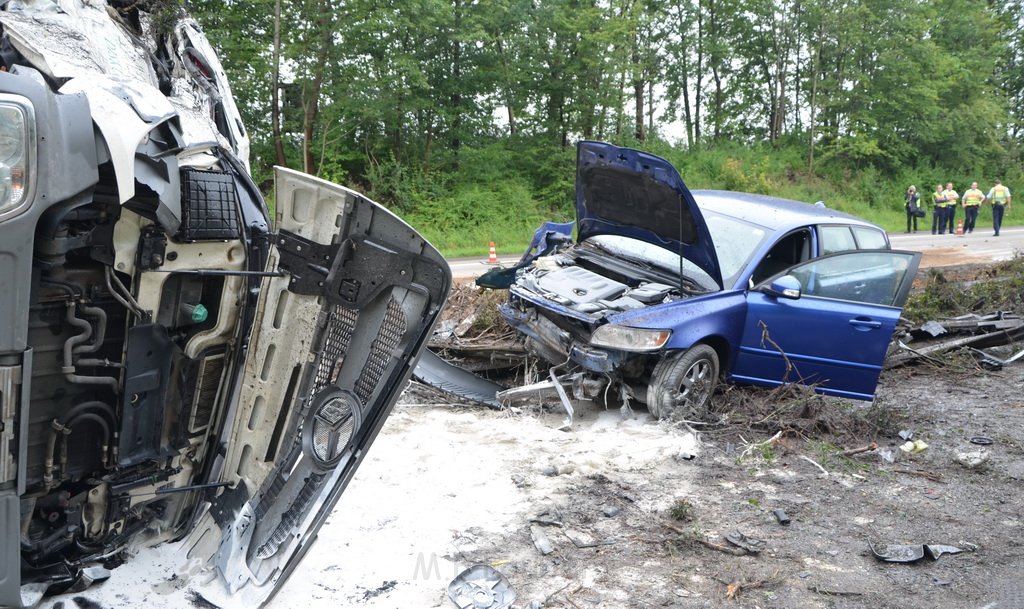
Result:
<point x="865" y="324"/>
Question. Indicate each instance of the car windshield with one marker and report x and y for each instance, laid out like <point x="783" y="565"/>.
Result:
<point x="653" y="255"/>
<point x="735" y="242"/>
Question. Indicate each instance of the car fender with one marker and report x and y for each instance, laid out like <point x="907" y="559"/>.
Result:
<point x="715" y="318"/>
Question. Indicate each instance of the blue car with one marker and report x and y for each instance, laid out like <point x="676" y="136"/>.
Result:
<point x="665" y="291"/>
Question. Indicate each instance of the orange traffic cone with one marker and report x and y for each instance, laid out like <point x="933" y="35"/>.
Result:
<point x="492" y="255"/>
<point x="960" y="228"/>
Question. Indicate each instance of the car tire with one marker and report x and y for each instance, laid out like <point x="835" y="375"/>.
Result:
<point x="682" y="384"/>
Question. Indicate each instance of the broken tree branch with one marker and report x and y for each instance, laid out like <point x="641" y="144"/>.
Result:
<point x="758" y="445"/>
<point x="815" y="464"/>
<point x="862" y="449"/>
<point x="721" y="548"/>
<point x="922" y="473"/>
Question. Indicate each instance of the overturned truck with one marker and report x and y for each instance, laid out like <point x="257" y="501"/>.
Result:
<point x="172" y="365"/>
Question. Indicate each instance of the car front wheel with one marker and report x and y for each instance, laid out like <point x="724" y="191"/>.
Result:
<point x="682" y="384"/>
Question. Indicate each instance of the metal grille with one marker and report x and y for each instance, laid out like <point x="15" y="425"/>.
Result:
<point x="291" y="518"/>
<point x="381" y="351"/>
<point x="340" y="328"/>
<point x="332" y="429"/>
<point x="206" y="392"/>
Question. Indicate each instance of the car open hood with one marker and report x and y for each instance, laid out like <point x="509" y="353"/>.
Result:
<point x="621" y="191"/>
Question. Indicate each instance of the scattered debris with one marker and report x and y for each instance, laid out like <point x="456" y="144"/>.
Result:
<point x="754" y="546"/>
<point x="972" y="459"/>
<point x="548" y="518"/>
<point x="892" y="552"/>
<point x="831" y="592"/>
<point x="611" y="511"/>
<point x="481" y="587"/>
<point x="917" y="472"/>
<point x="384" y="588"/>
<point x="933" y="328"/>
<point x="721" y="548"/>
<point x="906" y="434"/>
<point x="994" y="329"/>
<point x="914" y="447"/>
<point x="540" y="540"/>
<point x="734" y="587"/>
<point x="781" y="516"/>
<point x="935" y="550"/>
<point x="582" y="539"/>
<point x="888" y="455"/>
<point x="907" y="553"/>
<point x="862" y="449"/>
<point x="981" y="440"/>
<point x="992" y="361"/>
<point x="436" y="372"/>
<point x="815" y="464"/>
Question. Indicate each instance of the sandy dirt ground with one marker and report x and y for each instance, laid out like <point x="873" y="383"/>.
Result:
<point x="635" y="511"/>
<point x="449" y="486"/>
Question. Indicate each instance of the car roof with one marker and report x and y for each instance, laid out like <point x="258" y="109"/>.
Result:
<point x="771" y="212"/>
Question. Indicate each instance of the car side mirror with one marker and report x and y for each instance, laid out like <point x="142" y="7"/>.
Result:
<point x="786" y="286"/>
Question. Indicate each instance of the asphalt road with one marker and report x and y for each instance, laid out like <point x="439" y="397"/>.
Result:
<point x="948" y="250"/>
<point x="938" y="250"/>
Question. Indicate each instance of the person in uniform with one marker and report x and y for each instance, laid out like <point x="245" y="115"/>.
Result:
<point x="999" y="195"/>
<point x="951" y="197"/>
<point x="972" y="200"/>
<point x="938" y="210"/>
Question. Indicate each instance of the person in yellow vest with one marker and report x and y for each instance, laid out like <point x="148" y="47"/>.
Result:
<point x="938" y="210"/>
<point x="972" y="200"/>
<point x="999" y="195"/>
<point x="951" y="197"/>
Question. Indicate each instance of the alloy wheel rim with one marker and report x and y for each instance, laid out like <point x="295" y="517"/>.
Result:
<point x="696" y="384"/>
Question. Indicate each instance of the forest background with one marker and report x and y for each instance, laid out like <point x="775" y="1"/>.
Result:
<point x="461" y="115"/>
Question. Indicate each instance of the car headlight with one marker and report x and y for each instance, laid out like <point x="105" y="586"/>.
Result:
<point x="17" y="152"/>
<point x="625" y="338"/>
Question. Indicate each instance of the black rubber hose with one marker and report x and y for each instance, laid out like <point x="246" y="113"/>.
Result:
<point x="69" y="348"/>
<point x="86" y="416"/>
<point x="75" y="410"/>
<point x="74" y="341"/>
<point x="100" y="330"/>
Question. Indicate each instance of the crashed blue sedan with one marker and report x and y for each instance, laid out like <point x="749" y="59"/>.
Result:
<point x="665" y="291"/>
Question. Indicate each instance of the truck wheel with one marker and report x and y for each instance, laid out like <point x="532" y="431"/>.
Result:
<point x="682" y="384"/>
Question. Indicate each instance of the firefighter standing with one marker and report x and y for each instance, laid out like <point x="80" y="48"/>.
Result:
<point x="972" y="200"/>
<point x="999" y="195"/>
<point x="938" y="210"/>
<point x="951" y="197"/>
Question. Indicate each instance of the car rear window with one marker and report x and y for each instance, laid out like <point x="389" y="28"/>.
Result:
<point x="837" y="239"/>
<point x="869" y="238"/>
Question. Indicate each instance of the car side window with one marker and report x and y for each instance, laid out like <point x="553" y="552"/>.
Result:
<point x="872" y="277"/>
<point x="836" y="239"/>
<point x="792" y="249"/>
<point x="869" y="238"/>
